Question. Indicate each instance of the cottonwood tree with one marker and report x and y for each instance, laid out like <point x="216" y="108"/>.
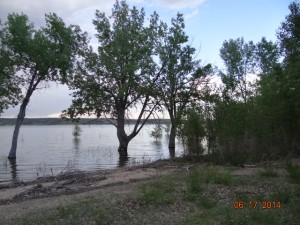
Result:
<point x="10" y="93"/>
<point x="120" y="78"/>
<point x="289" y="86"/>
<point x="38" y="56"/>
<point x="239" y="61"/>
<point x="178" y="81"/>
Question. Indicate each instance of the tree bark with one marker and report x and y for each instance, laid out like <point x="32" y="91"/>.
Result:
<point x="123" y="145"/>
<point x="20" y="118"/>
<point x="121" y="134"/>
<point x="172" y="136"/>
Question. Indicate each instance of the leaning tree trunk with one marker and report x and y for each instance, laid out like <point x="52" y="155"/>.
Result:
<point x="172" y="136"/>
<point x="20" y="118"/>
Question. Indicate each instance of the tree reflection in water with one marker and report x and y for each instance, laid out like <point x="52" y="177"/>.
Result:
<point x="13" y="169"/>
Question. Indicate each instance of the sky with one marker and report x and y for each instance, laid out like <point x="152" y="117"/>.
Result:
<point x="208" y="24"/>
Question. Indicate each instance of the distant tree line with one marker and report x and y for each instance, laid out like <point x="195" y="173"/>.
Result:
<point x="148" y="69"/>
<point x="82" y="121"/>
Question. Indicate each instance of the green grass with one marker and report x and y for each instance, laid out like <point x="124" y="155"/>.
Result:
<point x="193" y="181"/>
<point x="212" y="175"/>
<point x="206" y="202"/>
<point x="158" y="191"/>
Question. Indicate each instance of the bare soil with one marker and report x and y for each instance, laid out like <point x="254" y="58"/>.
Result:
<point x="21" y="199"/>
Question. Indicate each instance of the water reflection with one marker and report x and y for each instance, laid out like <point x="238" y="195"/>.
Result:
<point x="172" y="153"/>
<point x="50" y="150"/>
<point x="123" y="160"/>
<point x="13" y="169"/>
<point x="76" y="143"/>
<point x="72" y="164"/>
<point x="157" y="144"/>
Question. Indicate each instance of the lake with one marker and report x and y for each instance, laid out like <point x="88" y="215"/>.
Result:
<point x="50" y="150"/>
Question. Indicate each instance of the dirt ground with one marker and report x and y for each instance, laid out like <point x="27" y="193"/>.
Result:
<point x="17" y="200"/>
<point x="21" y="198"/>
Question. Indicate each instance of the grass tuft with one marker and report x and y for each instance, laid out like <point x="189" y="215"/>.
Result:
<point x="212" y="175"/>
<point x="157" y="192"/>
<point x="193" y="182"/>
<point x="283" y="196"/>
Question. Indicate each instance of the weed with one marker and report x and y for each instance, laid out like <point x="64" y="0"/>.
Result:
<point x="157" y="192"/>
<point x="194" y="184"/>
<point x="212" y="175"/>
<point x="283" y="195"/>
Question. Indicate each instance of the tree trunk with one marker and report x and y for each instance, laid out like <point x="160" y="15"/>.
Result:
<point x="123" y="145"/>
<point x="172" y="136"/>
<point x="122" y="136"/>
<point x="20" y="118"/>
<point x="123" y="160"/>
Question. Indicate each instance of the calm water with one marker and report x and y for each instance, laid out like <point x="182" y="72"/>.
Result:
<point x="47" y="150"/>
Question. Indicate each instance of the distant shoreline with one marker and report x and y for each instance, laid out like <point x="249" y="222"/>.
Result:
<point x="59" y="121"/>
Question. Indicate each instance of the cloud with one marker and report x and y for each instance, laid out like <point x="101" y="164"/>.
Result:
<point x="178" y="4"/>
<point x="67" y="9"/>
<point x="192" y="14"/>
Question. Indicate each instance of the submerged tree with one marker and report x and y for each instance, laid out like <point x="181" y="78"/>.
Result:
<point x="157" y="132"/>
<point x="76" y="131"/>
<point x="121" y="76"/>
<point x="38" y="56"/>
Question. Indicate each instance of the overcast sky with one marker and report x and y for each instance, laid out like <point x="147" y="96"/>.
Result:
<point x="208" y="23"/>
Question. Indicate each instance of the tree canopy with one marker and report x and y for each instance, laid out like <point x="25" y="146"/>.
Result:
<point x="121" y="76"/>
<point x="32" y="57"/>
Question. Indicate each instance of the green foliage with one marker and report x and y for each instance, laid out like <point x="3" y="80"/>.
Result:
<point x="251" y="120"/>
<point x="76" y="131"/>
<point x="48" y="53"/>
<point x="192" y="132"/>
<point x="30" y="58"/>
<point x="121" y="73"/>
<point x="180" y="73"/>
<point x="10" y="93"/>
<point x="157" y="132"/>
